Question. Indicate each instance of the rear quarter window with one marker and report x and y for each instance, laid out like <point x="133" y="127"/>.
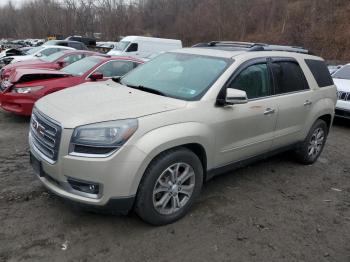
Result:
<point x="320" y="72"/>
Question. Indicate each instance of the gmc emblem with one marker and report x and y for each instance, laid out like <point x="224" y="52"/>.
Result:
<point x="38" y="128"/>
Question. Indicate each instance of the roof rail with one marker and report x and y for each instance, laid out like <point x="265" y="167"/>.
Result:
<point x="247" y="46"/>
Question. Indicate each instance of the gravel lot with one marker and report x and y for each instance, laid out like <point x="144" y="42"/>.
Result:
<point x="276" y="210"/>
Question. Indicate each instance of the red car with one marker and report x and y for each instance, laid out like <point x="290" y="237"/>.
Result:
<point x="54" y="61"/>
<point x="25" y="86"/>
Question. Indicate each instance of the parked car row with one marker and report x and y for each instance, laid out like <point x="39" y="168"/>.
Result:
<point x="144" y="136"/>
<point x="54" y="66"/>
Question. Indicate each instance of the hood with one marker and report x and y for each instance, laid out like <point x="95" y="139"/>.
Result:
<point x="342" y="84"/>
<point x="20" y="75"/>
<point x="98" y="102"/>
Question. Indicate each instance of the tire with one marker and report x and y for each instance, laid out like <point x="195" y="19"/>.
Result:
<point x="311" y="148"/>
<point x="162" y="198"/>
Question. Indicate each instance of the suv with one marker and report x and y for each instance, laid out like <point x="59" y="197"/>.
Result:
<point x="342" y="80"/>
<point x="148" y="141"/>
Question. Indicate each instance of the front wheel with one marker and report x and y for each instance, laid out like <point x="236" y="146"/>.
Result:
<point x="169" y="187"/>
<point x="314" y="143"/>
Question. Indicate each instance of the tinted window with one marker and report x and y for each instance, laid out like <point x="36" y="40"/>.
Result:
<point x="289" y="77"/>
<point x="133" y="47"/>
<point x="343" y="73"/>
<point x="116" y="68"/>
<point x="76" y="45"/>
<point x="254" y="80"/>
<point x="183" y="76"/>
<point x="320" y="72"/>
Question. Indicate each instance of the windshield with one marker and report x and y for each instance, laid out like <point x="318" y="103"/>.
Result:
<point x="33" y="50"/>
<point x="122" y="45"/>
<point x="53" y="57"/>
<point x="177" y="75"/>
<point x="343" y="73"/>
<point x="82" y="66"/>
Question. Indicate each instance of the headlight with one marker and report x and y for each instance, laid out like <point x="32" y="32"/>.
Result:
<point x="5" y="84"/>
<point x="26" y="90"/>
<point x="102" y="139"/>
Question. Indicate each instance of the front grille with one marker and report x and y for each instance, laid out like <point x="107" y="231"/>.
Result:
<point x="345" y="96"/>
<point x="342" y="113"/>
<point x="46" y="134"/>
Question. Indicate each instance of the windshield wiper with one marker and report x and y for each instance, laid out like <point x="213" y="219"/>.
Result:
<point x="147" y="89"/>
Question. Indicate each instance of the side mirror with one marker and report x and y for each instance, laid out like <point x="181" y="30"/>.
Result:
<point x="39" y="55"/>
<point x="235" y="96"/>
<point x="61" y="64"/>
<point x="96" y="76"/>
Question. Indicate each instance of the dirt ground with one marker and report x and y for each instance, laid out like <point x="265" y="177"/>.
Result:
<point x="276" y="210"/>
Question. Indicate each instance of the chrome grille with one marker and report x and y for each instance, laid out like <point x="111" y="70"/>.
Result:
<point x="345" y="96"/>
<point x="46" y="134"/>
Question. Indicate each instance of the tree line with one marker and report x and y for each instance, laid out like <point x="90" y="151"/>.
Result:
<point x="319" y="25"/>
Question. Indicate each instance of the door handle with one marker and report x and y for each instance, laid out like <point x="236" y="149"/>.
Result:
<point x="307" y="103"/>
<point x="269" y="111"/>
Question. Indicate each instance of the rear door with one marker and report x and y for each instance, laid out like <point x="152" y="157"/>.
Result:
<point x="294" y="100"/>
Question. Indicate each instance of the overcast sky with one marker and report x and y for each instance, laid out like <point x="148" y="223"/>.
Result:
<point x="16" y="2"/>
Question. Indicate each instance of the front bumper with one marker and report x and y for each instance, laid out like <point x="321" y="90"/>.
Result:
<point x="20" y="104"/>
<point x="342" y="113"/>
<point x="117" y="176"/>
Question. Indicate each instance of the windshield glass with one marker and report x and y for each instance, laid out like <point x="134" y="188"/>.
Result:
<point x="183" y="76"/>
<point x="53" y="57"/>
<point x="343" y="73"/>
<point x="82" y="66"/>
<point x="33" y="50"/>
<point x="122" y="45"/>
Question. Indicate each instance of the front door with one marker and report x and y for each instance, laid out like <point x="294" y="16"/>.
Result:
<point x="246" y="130"/>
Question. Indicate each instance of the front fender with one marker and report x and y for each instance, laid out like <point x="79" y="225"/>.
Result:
<point x="164" y="138"/>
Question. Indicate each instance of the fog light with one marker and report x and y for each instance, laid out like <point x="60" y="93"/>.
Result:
<point x="86" y="187"/>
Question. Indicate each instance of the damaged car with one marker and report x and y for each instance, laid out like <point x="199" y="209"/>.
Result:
<point x="24" y="86"/>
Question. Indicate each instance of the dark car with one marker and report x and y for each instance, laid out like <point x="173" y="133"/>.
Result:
<point x="74" y="44"/>
<point x="88" y="41"/>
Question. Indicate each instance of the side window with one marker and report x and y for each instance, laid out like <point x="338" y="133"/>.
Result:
<point x="116" y="68"/>
<point x="49" y="51"/>
<point x="73" y="58"/>
<point x="289" y="77"/>
<point x="76" y="45"/>
<point x="320" y="72"/>
<point x="133" y="47"/>
<point x="254" y="80"/>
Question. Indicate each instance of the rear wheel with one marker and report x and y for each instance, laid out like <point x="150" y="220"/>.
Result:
<point x="314" y="143"/>
<point x="169" y="187"/>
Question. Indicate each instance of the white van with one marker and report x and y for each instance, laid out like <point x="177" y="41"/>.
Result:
<point x="144" y="47"/>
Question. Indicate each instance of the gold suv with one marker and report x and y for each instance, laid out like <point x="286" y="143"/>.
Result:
<point x="148" y="141"/>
